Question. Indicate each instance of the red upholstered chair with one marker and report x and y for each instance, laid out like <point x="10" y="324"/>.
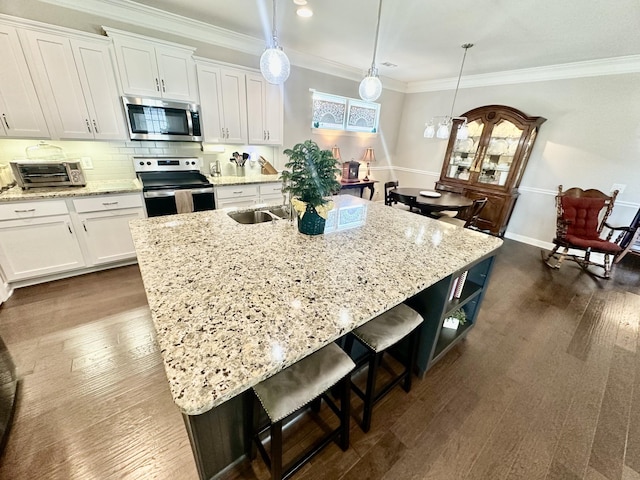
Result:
<point x="581" y="218"/>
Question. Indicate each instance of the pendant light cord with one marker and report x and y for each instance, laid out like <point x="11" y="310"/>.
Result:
<point x="466" y="46"/>
<point x="375" y="43"/>
<point x="275" y="32"/>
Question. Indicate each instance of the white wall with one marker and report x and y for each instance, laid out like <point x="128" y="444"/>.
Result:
<point x="591" y="140"/>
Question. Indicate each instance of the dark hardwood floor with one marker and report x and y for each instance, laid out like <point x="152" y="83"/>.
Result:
<point x="547" y="386"/>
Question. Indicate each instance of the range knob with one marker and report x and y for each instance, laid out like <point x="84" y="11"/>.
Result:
<point x="148" y="163"/>
<point x="193" y="163"/>
<point x="141" y="163"/>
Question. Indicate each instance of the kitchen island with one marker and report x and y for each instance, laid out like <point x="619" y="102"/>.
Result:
<point x="233" y="304"/>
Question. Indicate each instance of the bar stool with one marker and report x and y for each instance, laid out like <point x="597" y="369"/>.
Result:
<point x="292" y="389"/>
<point x="377" y="336"/>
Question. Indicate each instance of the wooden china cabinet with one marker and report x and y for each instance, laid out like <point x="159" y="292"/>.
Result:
<point x="491" y="161"/>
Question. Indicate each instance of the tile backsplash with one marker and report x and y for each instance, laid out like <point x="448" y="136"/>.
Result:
<point x="113" y="160"/>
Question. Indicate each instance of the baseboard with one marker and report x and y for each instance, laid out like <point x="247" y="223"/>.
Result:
<point x="529" y="241"/>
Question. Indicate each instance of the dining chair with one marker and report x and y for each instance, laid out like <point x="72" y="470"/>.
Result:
<point x="468" y="217"/>
<point x="388" y="186"/>
<point x="448" y="189"/>
<point x="581" y="217"/>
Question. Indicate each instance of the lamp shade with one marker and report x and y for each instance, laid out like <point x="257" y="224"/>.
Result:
<point x="370" y="87"/>
<point x="274" y="65"/>
<point x="335" y="153"/>
<point x="369" y="156"/>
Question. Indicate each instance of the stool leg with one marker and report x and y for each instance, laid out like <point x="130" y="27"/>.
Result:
<point x="411" y="360"/>
<point x="345" y="412"/>
<point x="276" y="451"/>
<point x="316" y="404"/>
<point x="249" y="427"/>
<point x="371" y="388"/>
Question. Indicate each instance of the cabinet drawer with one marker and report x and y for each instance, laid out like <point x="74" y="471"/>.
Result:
<point x="236" y="191"/>
<point x="16" y="211"/>
<point x="102" y="203"/>
<point x="270" y="189"/>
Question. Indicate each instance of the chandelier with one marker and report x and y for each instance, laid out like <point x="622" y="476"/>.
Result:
<point x="274" y="63"/>
<point x="445" y="123"/>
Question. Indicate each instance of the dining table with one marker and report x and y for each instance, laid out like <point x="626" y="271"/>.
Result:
<point x="430" y="201"/>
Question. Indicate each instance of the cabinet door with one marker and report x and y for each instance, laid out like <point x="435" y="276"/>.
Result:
<point x="176" y="69"/>
<point x="98" y="81"/>
<point x="138" y="68"/>
<point x="210" y="102"/>
<point x="58" y="84"/>
<point x="500" y="145"/>
<point x="20" y="108"/>
<point x="234" y="106"/>
<point x="107" y="234"/>
<point x="256" y="128"/>
<point x="273" y="113"/>
<point x="36" y="247"/>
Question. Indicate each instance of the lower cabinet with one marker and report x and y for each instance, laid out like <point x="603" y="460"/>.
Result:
<point x="51" y="237"/>
<point x="105" y="227"/>
<point x="248" y="195"/>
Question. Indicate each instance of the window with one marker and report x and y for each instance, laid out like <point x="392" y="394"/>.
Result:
<point x="333" y="112"/>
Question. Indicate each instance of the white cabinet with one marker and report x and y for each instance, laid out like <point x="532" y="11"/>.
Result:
<point x="19" y="105"/>
<point x="239" y="196"/>
<point x="264" y="111"/>
<point x="223" y="103"/>
<point x="37" y="239"/>
<point x="271" y="193"/>
<point x="105" y="226"/>
<point x="153" y="68"/>
<point x="75" y="79"/>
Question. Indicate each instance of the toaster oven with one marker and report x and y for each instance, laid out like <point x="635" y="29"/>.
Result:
<point x="39" y="173"/>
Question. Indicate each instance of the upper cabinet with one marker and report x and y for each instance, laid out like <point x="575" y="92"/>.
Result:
<point x="76" y="82"/>
<point x="491" y="161"/>
<point x="264" y="111"/>
<point x="154" y="68"/>
<point x="19" y="105"/>
<point x="239" y="106"/>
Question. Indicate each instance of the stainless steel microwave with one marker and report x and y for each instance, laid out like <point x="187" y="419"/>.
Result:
<point x="42" y="173"/>
<point x="153" y="119"/>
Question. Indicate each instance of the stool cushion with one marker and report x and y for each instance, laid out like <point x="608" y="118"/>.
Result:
<point x="295" y="386"/>
<point x="389" y="328"/>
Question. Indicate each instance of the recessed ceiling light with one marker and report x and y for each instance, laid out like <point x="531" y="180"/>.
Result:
<point x="304" y="12"/>
<point x="300" y="2"/>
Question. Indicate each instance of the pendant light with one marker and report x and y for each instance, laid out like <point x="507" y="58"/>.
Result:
<point x="274" y="64"/>
<point x="444" y="126"/>
<point x="371" y="86"/>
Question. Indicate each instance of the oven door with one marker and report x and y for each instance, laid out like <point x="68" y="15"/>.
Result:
<point x="163" y="202"/>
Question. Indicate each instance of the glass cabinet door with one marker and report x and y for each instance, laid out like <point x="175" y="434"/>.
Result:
<point x="465" y="152"/>
<point x="494" y="163"/>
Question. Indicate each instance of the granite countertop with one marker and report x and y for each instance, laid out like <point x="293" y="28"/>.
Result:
<point x="233" y="304"/>
<point x="93" y="187"/>
<point x="242" y="179"/>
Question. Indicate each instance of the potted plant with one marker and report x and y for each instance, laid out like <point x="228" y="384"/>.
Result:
<point x="456" y="318"/>
<point x="310" y="178"/>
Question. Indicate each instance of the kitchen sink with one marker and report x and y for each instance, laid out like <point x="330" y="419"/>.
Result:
<point x="280" y="212"/>
<point x="256" y="216"/>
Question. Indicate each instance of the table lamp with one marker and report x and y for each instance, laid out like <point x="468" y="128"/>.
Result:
<point x="368" y="158"/>
<point x="335" y="152"/>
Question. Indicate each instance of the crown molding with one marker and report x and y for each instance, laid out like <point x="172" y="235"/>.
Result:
<point x="591" y="68"/>
<point x="158" y="20"/>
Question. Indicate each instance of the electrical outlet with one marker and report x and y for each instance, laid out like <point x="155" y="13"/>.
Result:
<point x="87" y="164"/>
<point x="618" y="186"/>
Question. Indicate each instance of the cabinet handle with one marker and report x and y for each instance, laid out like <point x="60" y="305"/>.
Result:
<point x="95" y="126"/>
<point x="69" y="227"/>
<point x="239" y="191"/>
<point x="109" y="203"/>
<point x="84" y="225"/>
<point x="88" y="125"/>
<point x="268" y="135"/>
<point x="163" y="89"/>
<point x="157" y="85"/>
<point x="25" y="211"/>
<point x="264" y="134"/>
<point x="4" y="117"/>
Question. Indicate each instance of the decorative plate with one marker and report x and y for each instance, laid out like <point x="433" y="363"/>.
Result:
<point x="430" y="193"/>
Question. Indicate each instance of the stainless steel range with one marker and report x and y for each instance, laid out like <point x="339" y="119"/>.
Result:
<point x="161" y="177"/>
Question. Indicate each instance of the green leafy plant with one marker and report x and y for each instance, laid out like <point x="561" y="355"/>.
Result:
<point x="460" y="315"/>
<point x="311" y="173"/>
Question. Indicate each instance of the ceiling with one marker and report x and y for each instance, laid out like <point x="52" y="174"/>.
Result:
<point x="424" y="37"/>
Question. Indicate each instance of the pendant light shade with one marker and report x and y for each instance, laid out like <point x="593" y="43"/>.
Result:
<point x="371" y="87"/>
<point x="274" y="63"/>
<point x="446" y="122"/>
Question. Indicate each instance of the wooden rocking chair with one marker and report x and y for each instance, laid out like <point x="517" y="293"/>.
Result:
<point x="581" y="217"/>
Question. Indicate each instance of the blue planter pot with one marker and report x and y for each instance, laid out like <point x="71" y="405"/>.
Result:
<point x="311" y="223"/>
